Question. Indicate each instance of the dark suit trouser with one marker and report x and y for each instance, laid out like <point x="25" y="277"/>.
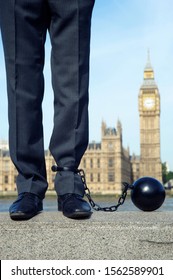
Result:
<point x="24" y="24"/>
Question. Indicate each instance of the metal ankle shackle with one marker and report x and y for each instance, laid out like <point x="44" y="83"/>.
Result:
<point x="95" y="206"/>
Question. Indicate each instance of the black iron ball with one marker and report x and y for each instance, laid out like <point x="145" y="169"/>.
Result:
<point x="147" y="193"/>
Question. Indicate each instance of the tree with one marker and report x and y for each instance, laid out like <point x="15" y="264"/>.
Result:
<point x="169" y="176"/>
<point x="164" y="172"/>
<point x="166" y="176"/>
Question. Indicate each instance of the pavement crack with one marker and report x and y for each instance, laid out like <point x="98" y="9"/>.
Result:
<point x="157" y="242"/>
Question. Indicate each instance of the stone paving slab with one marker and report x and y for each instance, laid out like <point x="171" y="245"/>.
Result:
<point x="105" y="236"/>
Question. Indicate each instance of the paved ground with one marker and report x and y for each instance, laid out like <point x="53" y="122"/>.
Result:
<point x="118" y="235"/>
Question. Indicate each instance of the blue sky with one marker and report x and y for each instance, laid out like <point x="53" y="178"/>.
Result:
<point x="122" y="33"/>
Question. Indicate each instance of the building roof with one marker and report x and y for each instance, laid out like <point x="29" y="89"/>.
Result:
<point x="4" y="153"/>
<point x="94" y="146"/>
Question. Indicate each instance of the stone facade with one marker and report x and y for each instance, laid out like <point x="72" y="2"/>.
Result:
<point x="8" y="172"/>
<point x="107" y="164"/>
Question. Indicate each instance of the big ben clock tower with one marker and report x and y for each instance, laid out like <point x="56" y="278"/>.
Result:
<point x="149" y="111"/>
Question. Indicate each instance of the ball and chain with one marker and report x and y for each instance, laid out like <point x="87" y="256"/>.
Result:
<point x="147" y="193"/>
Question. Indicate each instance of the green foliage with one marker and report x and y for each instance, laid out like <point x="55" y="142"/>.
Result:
<point x="164" y="172"/>
<point x="166" y="176"/>
<point x="170" y="175"/>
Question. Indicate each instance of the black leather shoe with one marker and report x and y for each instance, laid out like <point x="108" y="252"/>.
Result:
<point x="74" y="206"/>
<point x="25" y="207"/>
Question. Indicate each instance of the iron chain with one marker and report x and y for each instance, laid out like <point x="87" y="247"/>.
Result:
<point x="97" y="207"/>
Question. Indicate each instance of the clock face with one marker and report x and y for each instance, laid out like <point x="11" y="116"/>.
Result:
<point x="149" y="103"/>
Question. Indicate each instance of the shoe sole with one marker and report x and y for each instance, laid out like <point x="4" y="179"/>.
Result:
<point x="79" y="215"/>
<point x="19" y="216"/>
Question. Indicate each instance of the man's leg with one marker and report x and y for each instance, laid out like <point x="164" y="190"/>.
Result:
<point x="23" y="26"/>
<point x="70" y="38"/>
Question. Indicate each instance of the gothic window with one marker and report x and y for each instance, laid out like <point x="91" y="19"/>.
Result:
<point x="137" y="167"/>
<point x="6" y="179"/>
<point x="110" y="162"/>
<point x="110" y="146"/>
<point x="6" y="165"/>
<point x="111" y="177"/>
<point x="91" y="177"/>
<point x="15" y="178"/>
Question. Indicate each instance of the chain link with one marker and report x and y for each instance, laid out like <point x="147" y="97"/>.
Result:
<point x="97" y="207"/>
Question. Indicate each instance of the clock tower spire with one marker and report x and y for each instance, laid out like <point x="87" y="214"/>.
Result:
<point x="148" y="71"/>
<point x="149" y="112"/>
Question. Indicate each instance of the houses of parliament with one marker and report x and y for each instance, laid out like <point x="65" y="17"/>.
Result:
<point x="108" y="163"/>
